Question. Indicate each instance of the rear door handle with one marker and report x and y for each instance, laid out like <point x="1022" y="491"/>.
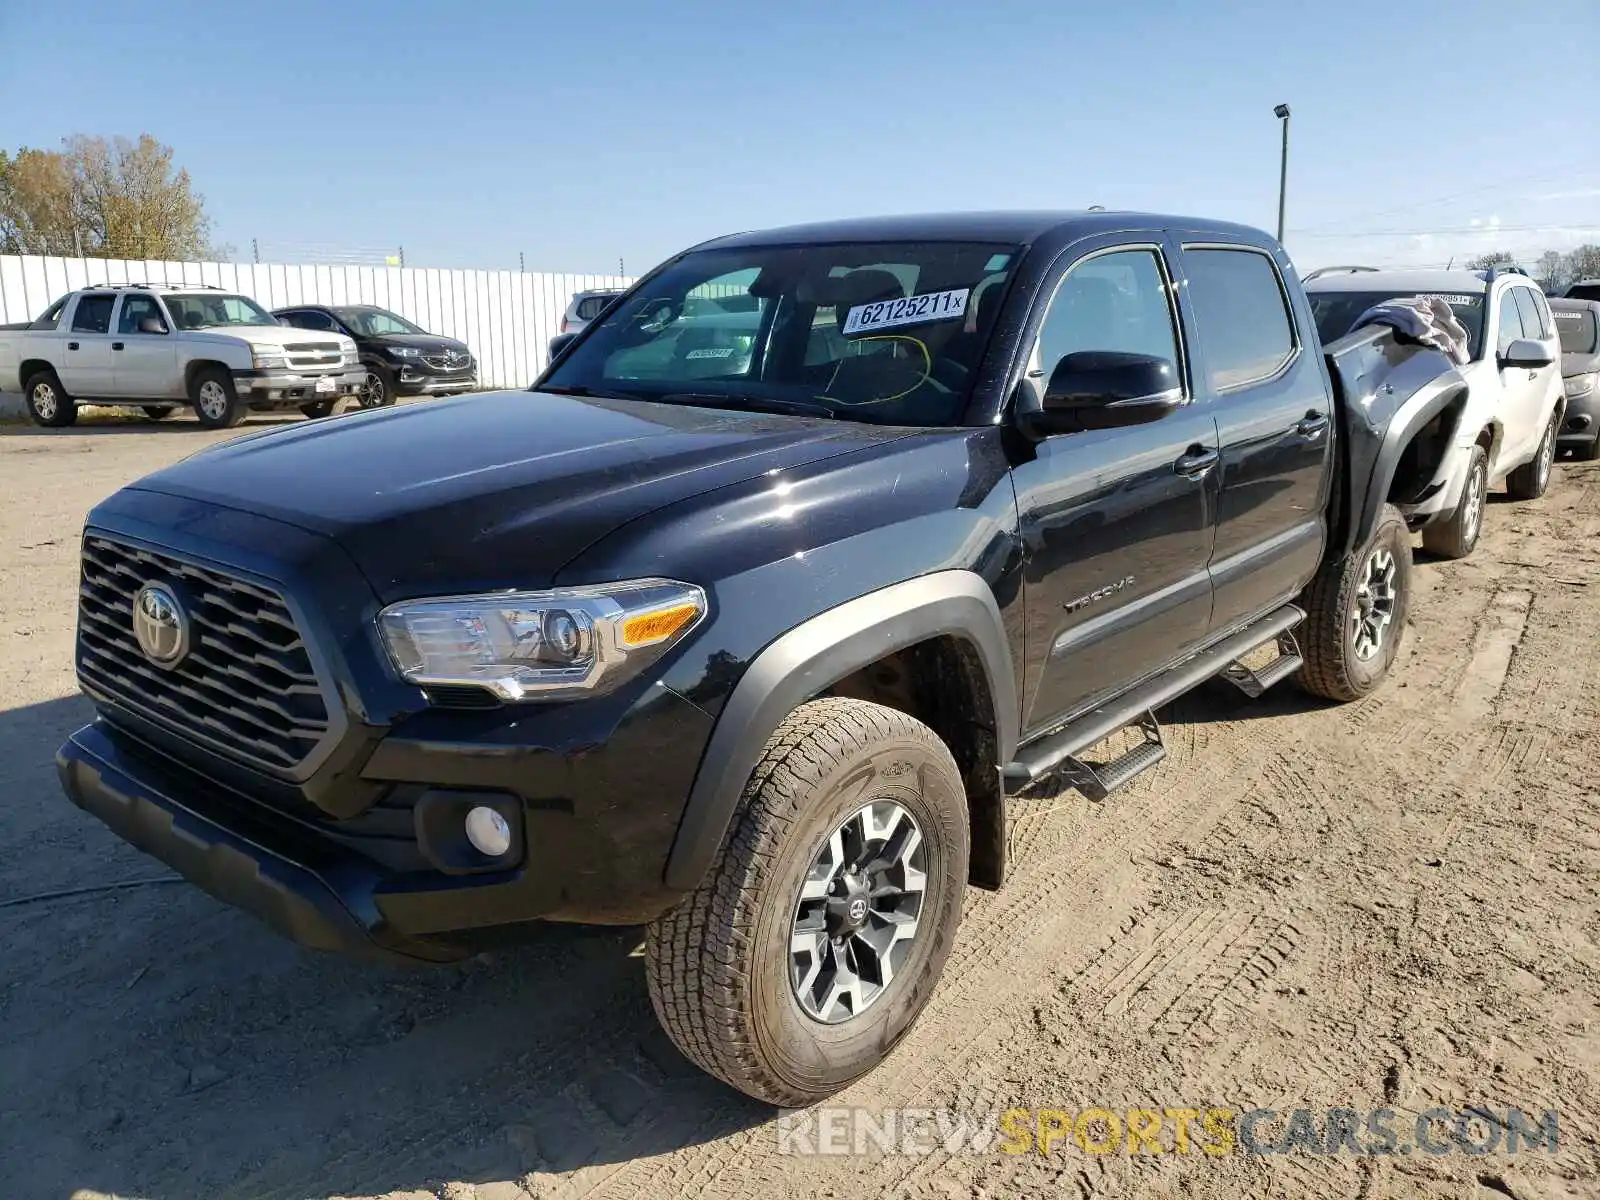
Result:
<point x="1197" y="462"/>
<point x="72" y="345"/>
<point x="116" y="345"/>
<point x="1313" y="425"/>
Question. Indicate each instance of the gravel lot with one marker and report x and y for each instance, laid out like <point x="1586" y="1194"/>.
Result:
<point x="1388" y="904"/>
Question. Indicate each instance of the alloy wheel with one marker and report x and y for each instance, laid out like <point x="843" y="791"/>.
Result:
<point x="857" y="914"/>
<point x="373" y="393"/>
<point x="1475" y="497"/>
<point x="44" y="401"/>
<point x="1373" y="612"/>
<point x="213" y="400"/>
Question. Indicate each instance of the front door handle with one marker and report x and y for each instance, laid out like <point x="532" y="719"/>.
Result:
<point x="1197" y="461"/>
<point x="72" y="345"/>
<point x="116" y="345"/>
<point x="1313" y="425"/>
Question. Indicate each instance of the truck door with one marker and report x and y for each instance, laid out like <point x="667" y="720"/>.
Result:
<point x="85" y="367"/>
<point x="1117" y="523"/>
<point x="143" y="365"/>
<point x="1261" y="374"/>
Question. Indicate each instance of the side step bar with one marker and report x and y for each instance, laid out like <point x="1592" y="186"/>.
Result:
<point x="1051" y="751"/>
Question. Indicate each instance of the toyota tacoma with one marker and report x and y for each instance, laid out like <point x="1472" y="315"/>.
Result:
<point x="746" y="620"/>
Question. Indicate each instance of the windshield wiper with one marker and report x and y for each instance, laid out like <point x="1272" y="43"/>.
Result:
<point x="558" y="389"/>
<point x="749" y="403"/>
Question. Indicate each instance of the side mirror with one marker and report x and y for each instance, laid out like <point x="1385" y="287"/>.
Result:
<point x="559" y="343"/>
<point x="1525" y="352"/>
<point x="152" y="325"/>
<point x="1108" y="389"/>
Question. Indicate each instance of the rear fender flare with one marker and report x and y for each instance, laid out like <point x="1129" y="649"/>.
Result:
<point x="804" y="662"/>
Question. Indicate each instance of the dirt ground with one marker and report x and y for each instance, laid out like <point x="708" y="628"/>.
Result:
<point x="1390" y="904"/>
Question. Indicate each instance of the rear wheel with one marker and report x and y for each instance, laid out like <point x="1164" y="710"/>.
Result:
<point x="1356" y="614"/>
<point x="216" y="403"/>
<point x="48" y="402"/>
<point x="817" y="937"/>
<point x="1529" y="481"/>
<point x="1456" y="537"/>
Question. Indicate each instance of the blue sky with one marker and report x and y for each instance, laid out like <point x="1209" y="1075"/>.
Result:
<point x="580" y="133"/>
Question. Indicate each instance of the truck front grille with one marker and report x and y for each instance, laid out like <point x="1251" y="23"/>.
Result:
<point x="246" y="687"/>
<point x="313" y="354"/>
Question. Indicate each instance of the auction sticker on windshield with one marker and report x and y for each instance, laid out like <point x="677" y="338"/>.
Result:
<point x="907" y="310"/>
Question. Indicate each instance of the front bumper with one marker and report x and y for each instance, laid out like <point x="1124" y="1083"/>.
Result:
<point x="1581" y="424"/>
<point x="411" y="381"/>
<point x="297" y="387"/>
<point x="309" y="892"/>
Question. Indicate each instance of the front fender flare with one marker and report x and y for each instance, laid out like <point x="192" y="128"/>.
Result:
<point x="808" y="659"/>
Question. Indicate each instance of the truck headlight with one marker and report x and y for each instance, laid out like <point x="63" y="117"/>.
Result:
<point x="268" y="358"/>
<point x="352" y="356"/>
<point x="540" y="645"/>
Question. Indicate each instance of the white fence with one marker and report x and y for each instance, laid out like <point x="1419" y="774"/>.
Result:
<point x="506" y="317"/>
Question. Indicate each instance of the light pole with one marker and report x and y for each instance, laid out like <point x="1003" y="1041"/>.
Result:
<point x="1282" y="113"/>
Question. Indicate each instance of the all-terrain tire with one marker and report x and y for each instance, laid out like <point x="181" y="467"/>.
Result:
<point x="216" y="403"/>
<point x="1456" y="537"/>
<point x="48" y="402"/>
<point x="1334" y="667"/>
<point x="719" y="965"/>
<point x="1531" y="479"/>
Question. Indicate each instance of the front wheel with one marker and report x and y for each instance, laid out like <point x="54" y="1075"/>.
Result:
<point x="1529" y="481"/>
<point x="817" y="937"/>
<point x="1356" y="610"/>
<point x="1456" y="537"/>
<point x="377" y="390"/>
<point x="48" y="402"/>
<point x="216" y="404"/>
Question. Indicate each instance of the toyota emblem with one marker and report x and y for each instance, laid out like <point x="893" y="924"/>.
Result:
<point x="160" y="625"/>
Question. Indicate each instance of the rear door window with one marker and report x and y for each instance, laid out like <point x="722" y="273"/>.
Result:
<point x="1243" y="315"/>
<point x="93" y="314"/>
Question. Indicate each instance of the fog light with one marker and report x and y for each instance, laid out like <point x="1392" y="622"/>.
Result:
<point x="488" y="831"/>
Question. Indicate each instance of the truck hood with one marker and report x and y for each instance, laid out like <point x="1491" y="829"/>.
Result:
<point x="261" y="335"/>
<point x="494" y="490"/>
<point x="428" y="343"/>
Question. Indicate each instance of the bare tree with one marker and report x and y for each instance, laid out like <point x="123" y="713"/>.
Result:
<point x="1584" y="263"/>
<point x="1552" y="271"/>
<point x="1495" y="258"/>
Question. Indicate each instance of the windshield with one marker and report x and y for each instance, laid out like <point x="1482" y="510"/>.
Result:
<point x="1577" y="330"/>
<point x="1584" y="291"/>
<point x="888" y="332"/>
<point x="202" y="310"/>
<point x="1337" y="312"/>
<point x="375" y="322"/>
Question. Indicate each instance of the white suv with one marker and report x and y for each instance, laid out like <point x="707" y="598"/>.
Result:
<point x="1508" y="425"/>
<point x="158" y="347"/>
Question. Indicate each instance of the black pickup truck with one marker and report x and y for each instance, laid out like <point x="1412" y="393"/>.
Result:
<point x="744" y="621"/>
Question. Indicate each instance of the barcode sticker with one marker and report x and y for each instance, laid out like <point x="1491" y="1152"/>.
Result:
<point x="907" y="310"/>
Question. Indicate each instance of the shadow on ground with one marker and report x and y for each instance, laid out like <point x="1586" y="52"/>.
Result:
<point x="154" y="1042"/>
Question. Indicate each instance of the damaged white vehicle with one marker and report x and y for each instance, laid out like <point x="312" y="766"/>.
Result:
<point x="1504" y="424"/>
